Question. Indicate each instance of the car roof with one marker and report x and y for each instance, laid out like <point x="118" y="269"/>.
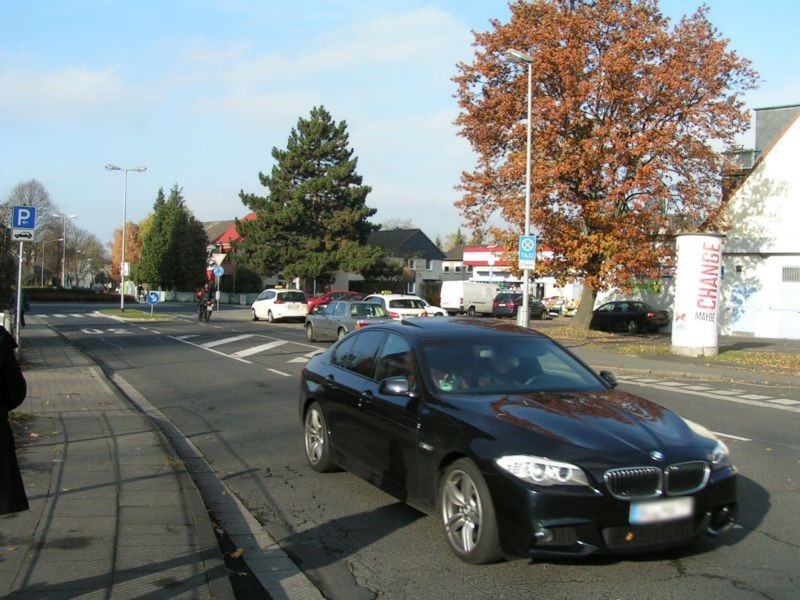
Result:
<point x="394" y="296"/>
<point x="455" y="327"/>
<point x="281" y="290"/>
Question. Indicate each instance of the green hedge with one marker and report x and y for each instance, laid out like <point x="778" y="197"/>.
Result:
<point x="46" y="294"/>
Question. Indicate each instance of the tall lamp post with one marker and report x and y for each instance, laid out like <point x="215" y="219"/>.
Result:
<point x="64" y="247"/>
<point x="124" y="222"/>
<point x="44" y="243"/>
<point x="515" y="56"/>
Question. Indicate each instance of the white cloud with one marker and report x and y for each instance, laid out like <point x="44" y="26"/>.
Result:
<point x="67" y="93"/>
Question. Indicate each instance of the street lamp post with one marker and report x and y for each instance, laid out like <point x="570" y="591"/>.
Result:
<point x="64" y="247"/>
<point x="124" y="222"/>
<point x="515" y="56"/>
<point x="44" y="243"/>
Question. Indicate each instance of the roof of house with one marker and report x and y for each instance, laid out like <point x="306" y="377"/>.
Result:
<point x="455" y="253"/>
<point x="214" y="229"/>
<point x="231" y="234"/>
<point x="406" y="243"/>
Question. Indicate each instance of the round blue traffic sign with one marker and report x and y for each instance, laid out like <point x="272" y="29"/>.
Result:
<point x="153" y="298"/>
<point x="219" y="271"/>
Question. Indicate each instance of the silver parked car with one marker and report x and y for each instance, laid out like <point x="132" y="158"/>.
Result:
<point x="341" y="317"/>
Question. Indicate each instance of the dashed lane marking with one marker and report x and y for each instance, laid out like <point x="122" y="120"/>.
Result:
<point x="229" y="340"/>
<point x="180" y="338"/>
<point x="281" y="373"/>
<point x="260" y="348"/>
<point x="731" y="436"/>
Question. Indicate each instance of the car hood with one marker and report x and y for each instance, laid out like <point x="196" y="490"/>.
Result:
<point x="608" y="422"/>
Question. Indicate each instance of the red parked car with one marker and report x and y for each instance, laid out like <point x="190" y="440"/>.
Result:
<point x="318" y="303"/>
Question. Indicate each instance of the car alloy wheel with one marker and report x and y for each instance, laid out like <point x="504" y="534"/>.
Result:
<point x="467" y="514"/>
<point x="253" y="314"/>
<point x="316" y="440"/>
<point x="270" y="318"/>
<point x="310" y="333"/>
<point x="632" y="326"/>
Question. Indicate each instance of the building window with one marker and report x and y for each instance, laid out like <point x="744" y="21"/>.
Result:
<point x="446" y="268"/>
<point x="428" y="264"/>
<point x="410" y="263"/>
<point x="791" y="275"/>
<point x="469" y="268"/>
<point x="458" y="269"/>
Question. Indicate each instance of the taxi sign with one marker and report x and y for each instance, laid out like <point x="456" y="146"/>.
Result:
<point x="527" y="252"/>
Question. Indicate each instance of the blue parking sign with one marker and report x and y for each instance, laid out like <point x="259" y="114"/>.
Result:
<point x="23" y="223"/>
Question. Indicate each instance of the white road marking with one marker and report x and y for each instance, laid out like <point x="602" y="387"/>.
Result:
<point x="60" y="316"/>
<point x="77" y="315"/>
<point x="643" y="380"/>
<point x="261" y="348"/>
<point x="784" y="401"/>
<point x="732" y="437"/>
<point x="728" y="392"/>
<point x="738" y="400"/>
<point x="756" y="397"/>
<point x="674" y="383"/>
<point x="177" y="339"/>
<point x="307" y="356"/>
<point x="180" y="338"/>
<point x="279" y="372"/>
<point x="229" y="340"/>
<point x="697" y="388"/>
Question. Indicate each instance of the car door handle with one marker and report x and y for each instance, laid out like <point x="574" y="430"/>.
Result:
<point x="330" y="380"/>
<point x="365" y="398"/>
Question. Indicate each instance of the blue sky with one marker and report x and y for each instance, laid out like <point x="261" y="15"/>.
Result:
<point x="200" y="92"/>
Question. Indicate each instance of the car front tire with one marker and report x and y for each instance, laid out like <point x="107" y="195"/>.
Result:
<point x="253" y="315"/>
<point x="467" y="513"/>
<point x="310" y="333"/>
<point x="317" y="441"/>
<point x="270" y="318"/>
<point x="632" y="326"/>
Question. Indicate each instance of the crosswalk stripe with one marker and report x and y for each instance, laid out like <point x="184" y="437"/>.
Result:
<point x="227" y="340"/>
<point x="60" y="316"/>
<point x="784" y="401"/>
<point x="257" y="349"/>
<point x="77" y="315"/>
<point x="698" y="388"/>
<point x="756" y="397"/>
<point x="180" y="338"/>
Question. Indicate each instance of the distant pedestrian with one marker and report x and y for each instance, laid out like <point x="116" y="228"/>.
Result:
<point x="12" y="392"/>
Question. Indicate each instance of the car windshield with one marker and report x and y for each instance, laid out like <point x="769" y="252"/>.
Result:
<point x="406" y="303"/>
<point x="292" y="296"/>
<point x="367" y="310"/>
<point x="503" y="364"/>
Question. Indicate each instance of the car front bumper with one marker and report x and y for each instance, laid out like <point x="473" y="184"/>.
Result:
<point x="544" y="522"/>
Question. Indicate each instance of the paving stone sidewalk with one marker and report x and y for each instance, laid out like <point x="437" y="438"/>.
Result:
<point x="113" y="512"/>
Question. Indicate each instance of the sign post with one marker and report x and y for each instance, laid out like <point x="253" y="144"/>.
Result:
<point x="218" y="272"/>
<point x="152" y="299"/>
<point x="23" y="226"/>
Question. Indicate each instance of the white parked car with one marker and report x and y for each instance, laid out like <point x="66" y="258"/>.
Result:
<point x="433" y="311"/>
<point x="273" y="304"/>
<point x="400" y="306"/>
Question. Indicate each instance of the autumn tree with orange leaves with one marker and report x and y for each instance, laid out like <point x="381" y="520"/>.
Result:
<point x="133" y="248"/>
<point x="627" y="108"/>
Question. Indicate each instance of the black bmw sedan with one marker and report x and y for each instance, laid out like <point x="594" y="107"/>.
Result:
<point x="514" y="444"/>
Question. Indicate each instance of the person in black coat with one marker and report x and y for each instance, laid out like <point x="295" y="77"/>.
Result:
<point x="13" y="389"/>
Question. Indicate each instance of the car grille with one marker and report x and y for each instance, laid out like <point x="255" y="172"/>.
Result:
<point x="633" y="482"/>
<point x="645" y="482"/>
<point x="685" y="478"/>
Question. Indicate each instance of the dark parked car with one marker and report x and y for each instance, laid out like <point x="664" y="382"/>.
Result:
<point x="512" y="442"/>
<point x="318" y="303"/>
<point x="506" y="304"/>
<point x="340" y="318"/>
<point x="630" y="316"/>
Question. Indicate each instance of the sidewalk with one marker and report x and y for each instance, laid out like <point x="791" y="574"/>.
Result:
<point x="113" y="513"/>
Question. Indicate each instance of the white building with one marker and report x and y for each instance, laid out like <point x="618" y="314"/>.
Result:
<point x="761" y="254"/>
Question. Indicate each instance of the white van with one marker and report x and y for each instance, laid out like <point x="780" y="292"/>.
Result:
<point x="470" y="297"/>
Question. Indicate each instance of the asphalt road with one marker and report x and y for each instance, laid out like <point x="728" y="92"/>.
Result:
<point x="232" y="386"/>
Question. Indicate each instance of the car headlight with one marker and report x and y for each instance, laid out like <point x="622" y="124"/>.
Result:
<point x="542" y="471"/>
<point x="720" y="457"/>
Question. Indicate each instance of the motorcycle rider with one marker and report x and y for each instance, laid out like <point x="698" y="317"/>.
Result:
<point x="204" y="296"/>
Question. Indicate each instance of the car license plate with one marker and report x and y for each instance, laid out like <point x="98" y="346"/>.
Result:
<point x="658" y="511"/>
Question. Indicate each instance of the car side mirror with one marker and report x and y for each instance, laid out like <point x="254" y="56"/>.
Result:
<point x="395" y="386"/>
<point x="609" y="378"/>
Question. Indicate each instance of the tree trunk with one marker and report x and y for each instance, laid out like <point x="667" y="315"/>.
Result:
<point x="583" y="317"/>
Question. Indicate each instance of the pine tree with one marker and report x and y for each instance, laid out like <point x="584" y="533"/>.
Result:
<point x="314" y="219"/>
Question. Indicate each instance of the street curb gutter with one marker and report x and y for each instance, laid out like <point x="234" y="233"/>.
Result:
<point x="271" y="566"/>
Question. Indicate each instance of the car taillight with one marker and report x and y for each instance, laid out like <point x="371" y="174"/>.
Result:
<point x="361" y="323"/>
<point x="495" y="305"/>
<point x="394" y="315"/>
<point x="650" y="315"/>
